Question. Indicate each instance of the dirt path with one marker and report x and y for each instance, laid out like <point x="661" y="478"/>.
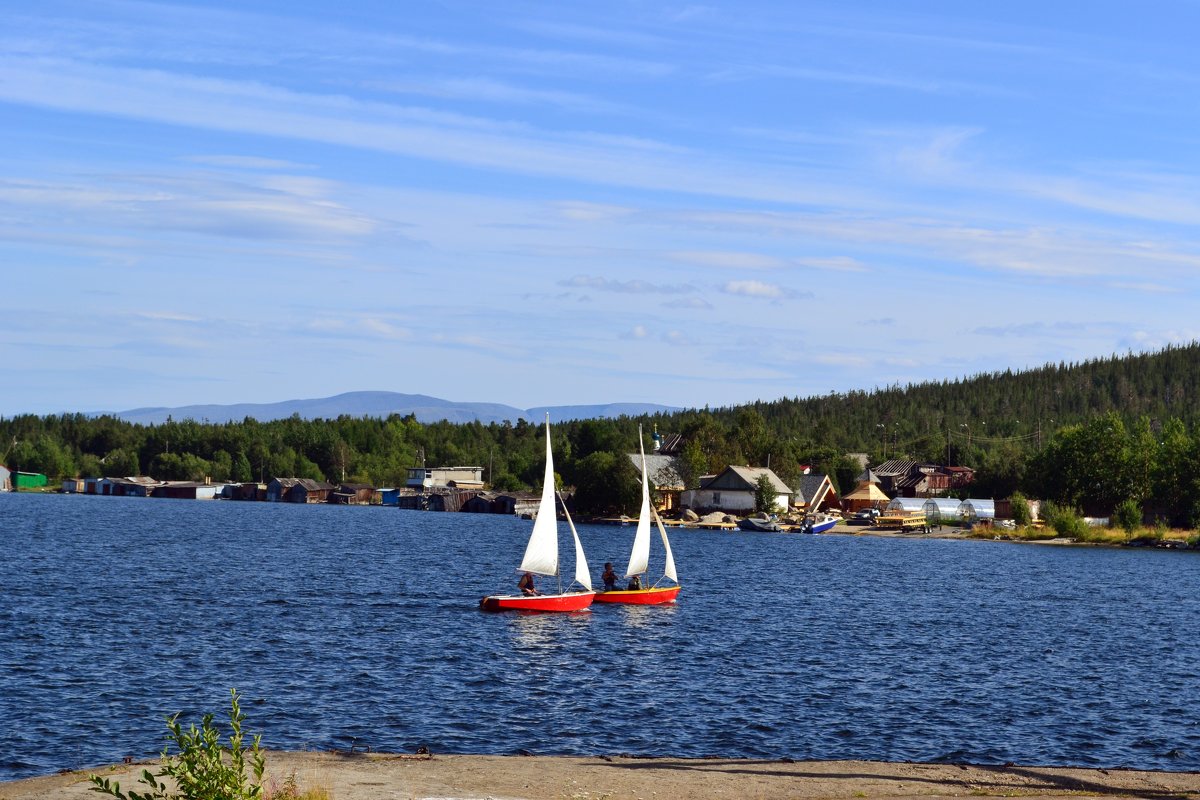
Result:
<point x="391" y="777"/>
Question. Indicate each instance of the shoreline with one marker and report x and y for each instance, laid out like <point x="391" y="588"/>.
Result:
<point x="380" y="776"/>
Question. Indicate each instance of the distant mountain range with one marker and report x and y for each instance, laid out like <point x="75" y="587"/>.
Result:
<point x="382" y="404"/>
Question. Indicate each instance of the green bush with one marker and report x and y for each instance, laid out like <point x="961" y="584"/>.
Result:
<point x="1066" y="522"/>
<point x="1128" y="516"/>
<point x="1021" y="513"/>
<point x="205" y="767"/>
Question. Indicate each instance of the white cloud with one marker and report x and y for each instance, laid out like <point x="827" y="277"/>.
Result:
<point x="637" y="332"/>
<point x="756" y="289"/>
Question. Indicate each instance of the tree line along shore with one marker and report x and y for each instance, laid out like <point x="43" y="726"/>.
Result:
<point x="1092" y="438"/>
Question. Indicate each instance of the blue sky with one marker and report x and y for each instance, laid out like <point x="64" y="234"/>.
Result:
<point x="559" y="203"/>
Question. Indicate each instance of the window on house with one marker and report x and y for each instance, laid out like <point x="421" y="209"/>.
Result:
<point x="716" y="498"/>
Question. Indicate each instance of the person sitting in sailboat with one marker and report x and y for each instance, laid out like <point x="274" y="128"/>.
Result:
<point x="526" y="584"/>
<point x="609" y="577"/>
<point x="635" y="582"/>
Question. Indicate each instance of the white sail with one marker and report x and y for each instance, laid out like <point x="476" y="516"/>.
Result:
<point x="582" y="574"/>
<point x="639" y="559"/>
<point x="541" y="554"/>
<point x="669" y="566"/>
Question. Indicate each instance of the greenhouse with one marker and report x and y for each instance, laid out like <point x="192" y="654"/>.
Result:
<point x="946" y="509"/>
<point x="973" y="509"/>
<point x="905" y="505"/>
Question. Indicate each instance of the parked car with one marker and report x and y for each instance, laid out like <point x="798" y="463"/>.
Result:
<point x="865" y="517"/>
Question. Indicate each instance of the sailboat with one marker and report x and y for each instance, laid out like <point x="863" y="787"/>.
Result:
<point x="639" y="558"/>
<point x="541" y="557"/>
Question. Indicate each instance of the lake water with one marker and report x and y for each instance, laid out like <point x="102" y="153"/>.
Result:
<point x="337" y="622"/>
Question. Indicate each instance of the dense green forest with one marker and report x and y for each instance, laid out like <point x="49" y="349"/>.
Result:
<point x="1090" y="435"/>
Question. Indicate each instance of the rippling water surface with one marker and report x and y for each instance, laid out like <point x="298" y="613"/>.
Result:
<point x="339" y="622"/>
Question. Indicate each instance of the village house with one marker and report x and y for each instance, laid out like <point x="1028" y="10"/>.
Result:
<point x="816" y="493"/>
<point x="133" y="486"/>
<point x="733" y="491"/>
<point x="189" y="490"/>
<point x="449" y="499"/>
<point x="866" y="495"/>
<point x="900" y="478"/>
<point x="246" y="491"/>
<point x="426" y="478"/>
<point x="355" y="494"/>
<point x="27" y="480"/>
<point x="662" y="471"/>
<point x="481" y="503"/>
<point x="298" y="490"/>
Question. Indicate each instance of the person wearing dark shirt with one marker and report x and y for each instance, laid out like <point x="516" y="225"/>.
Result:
<point x="526" y="584"/>
<point x="609" y="577"/>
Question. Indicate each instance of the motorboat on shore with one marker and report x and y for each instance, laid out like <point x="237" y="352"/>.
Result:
<point x="812" y="523"/>
<point x="759" y="524"/>
<point x="818" y="523"/>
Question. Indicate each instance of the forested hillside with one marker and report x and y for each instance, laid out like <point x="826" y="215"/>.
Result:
<point x="1009" y="426"/>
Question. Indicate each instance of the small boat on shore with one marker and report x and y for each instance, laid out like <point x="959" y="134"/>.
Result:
<point x="818" y="523"/>
<point x="639" y="557"/>
<point x="541" y="557"/>
<point x="759" y="524"/>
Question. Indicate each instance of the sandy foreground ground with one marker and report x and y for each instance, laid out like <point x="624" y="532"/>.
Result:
<point x="377" y="776"/>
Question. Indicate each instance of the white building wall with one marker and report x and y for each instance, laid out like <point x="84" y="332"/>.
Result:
<point x="734" y="502"/>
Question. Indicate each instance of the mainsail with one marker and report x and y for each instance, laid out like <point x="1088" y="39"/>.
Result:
<point x="639" y="558"/>
<point x="541" y="554"/>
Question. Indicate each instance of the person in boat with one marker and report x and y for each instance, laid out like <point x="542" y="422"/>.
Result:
<point x="609" y="577"/>
<point x="635" y="582"/>
<point x="526" y="585"/>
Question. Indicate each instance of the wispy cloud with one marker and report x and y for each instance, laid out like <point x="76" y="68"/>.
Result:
<point x="247" y="162"/>
<point x="1146" y="287"/>
<point x="728" y="260"/>
<point x="488" y="90"/>
<point x="624" y="287"/>
<point x="1039" y="329"/>
<point x="168" y="316"/>
<point x="275" y="207"/>
<point x="255" y="108"/>
<point x="834" y="264"/>
<point x="581" y="211"/>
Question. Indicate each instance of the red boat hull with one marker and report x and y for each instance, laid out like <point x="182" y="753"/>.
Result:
<point x="571" y="601"/>
<point x="640" y="597"/>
